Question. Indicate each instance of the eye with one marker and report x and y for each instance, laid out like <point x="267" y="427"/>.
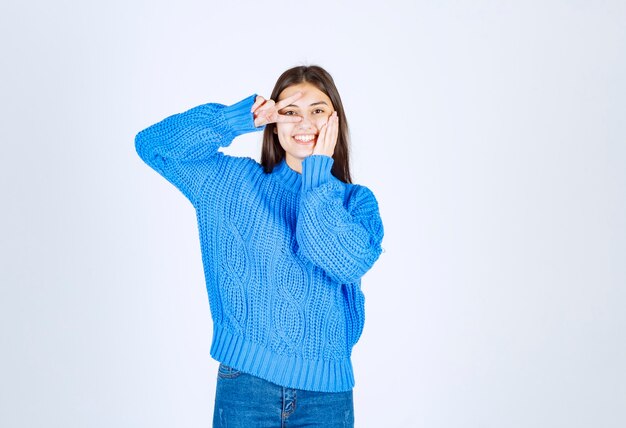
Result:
<point x="318" y="111"/>
<point x="288" y="113"/>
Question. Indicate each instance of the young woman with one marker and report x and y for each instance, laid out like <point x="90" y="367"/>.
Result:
<point x="284" y="246"/>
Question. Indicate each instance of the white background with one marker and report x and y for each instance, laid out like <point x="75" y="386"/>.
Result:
<point x="493" y="134"/>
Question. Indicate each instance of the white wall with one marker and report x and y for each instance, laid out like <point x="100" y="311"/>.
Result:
<point x="493" y="134"/>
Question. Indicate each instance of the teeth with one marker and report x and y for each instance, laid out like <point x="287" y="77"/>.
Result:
<point x="304" y="138"/>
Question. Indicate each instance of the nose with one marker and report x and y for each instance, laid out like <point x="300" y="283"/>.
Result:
<point x="306" y="122"/>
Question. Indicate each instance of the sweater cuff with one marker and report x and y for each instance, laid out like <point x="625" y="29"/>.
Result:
<point x="239" y="116"/>
<point x="316" y="171"/>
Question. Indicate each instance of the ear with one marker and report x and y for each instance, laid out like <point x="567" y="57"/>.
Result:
<point x="275" y="130"/>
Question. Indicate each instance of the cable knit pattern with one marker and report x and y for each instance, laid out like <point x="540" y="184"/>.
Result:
<point x="283" y="253"/>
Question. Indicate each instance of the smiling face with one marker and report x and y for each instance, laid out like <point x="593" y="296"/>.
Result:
<point x="298" y="139"/>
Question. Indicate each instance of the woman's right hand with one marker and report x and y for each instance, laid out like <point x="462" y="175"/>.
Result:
<point x="267" y="111"/>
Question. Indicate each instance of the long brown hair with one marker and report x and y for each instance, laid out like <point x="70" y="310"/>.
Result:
<point x="272" y="153"/>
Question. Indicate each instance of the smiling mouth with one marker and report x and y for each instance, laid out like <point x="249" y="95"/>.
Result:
<point x="305" y="138"/>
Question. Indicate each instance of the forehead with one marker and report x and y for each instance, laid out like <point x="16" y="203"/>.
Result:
<point x="310" y="94"/>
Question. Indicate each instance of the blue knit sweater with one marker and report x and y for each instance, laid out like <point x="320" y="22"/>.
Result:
<point x="283" y="252"/>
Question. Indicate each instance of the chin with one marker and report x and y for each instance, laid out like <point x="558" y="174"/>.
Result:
<point x="301" y="154"/>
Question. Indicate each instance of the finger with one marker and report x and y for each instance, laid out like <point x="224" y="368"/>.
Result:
<point x="257" y="103"/>
<point x="287" y="119"/>
<point x="265" y="110"/>
<point x="259" y="121"/>
<point x="266" y="106"/>
<point x="288" y="100"/>
<point x="262" y="118"/>
<point x="321" y="138"/>
<point x="333" y="130"/>
<point x="268" y="117"/>
<point x="331" y="127"/>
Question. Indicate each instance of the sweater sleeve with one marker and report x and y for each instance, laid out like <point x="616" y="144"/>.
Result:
<point x="183" y="147"/>
<point x="340" y="233"/>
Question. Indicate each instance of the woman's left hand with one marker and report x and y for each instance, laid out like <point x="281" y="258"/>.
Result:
<point x="327" y="138"/>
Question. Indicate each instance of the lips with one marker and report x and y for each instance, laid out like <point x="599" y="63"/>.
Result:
<point x="305" y="138"/>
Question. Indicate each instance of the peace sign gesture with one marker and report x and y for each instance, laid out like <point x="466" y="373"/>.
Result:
<point x="266" y="111"/>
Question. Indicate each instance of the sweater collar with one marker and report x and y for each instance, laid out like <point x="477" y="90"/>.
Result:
<point x="291" y="179"/>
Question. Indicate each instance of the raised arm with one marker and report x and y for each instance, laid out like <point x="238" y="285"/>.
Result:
<point x="339" y="231"/>
<point x="183" y="147"/>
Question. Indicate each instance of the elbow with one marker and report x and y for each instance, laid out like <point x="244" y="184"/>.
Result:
<point x="352" y="274"/>
<point x="348" y="277"/>
<point x="346" y="268"/>
<point x="141" y="146"/>
<point x="360" y="258"/>
<point x="147" y="151"/>
<point x="346" y="257"/>
<point x="362" y="265"/>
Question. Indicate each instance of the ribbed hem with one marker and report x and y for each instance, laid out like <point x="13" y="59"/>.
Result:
<point x="239" y="116"/>
<point x="284" y="370"/>
<point x="316" y="171"/>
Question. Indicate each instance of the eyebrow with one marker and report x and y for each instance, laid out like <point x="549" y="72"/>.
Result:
<point x="310" y="105"/>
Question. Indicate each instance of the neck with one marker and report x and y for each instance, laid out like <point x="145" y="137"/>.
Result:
<point x="294" y="163"/>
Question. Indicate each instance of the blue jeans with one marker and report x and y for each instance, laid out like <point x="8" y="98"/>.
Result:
<point x="246" y="401"/>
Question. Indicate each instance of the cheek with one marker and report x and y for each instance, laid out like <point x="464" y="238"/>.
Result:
<point x="284" y="131"/>
<point x="283" y="128"/>
<point x="321" y="121"/>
